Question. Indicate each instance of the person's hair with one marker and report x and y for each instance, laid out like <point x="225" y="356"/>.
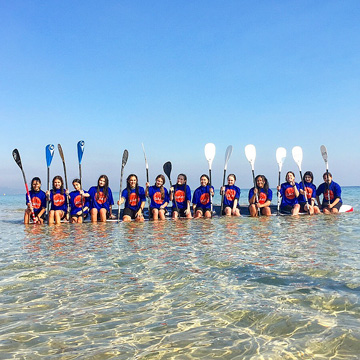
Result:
<point x="266" y="183"/>
<point x="327" y="173"/>
<point x="233" y="175"/>
<point x="289" y="172"/>
<point x="58" y="177"/>
<point x="77" y="181"/>
<point x="309" y="173"/>
<point x="128" y="187"/>
<point x="162" y="191"/>
<point x="34" y="179"/>
<point x="106" y="186"/>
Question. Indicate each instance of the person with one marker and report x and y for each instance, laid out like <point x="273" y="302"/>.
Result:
<point x="260" y="197"/>
<point x="181" y="194"/>
<point x="101" y="200"/>
<point x="331" y="191"/>
<point x="289" y="192"/>
<point x="38" y="203"/>
<point x="231" y="198"/>
<point x="134" y="198"/>
<point x="79" y="203"/>
<point x="201" y="198"/>
<point x="58" y="199"/>
<point x="159" y="197"/>
<point x="307" y="204"/>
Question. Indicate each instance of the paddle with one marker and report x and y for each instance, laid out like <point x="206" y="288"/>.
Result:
<point x="227" y="157"/>
<point x="280" y="158"/>
<point x="49" y="152"/>
<point x="66" y="183"/>
<point x="17" y="159"/>
<point x="80" y="151"/>
<point x="325" y="157"/>
<point x="123" y="163"/>
<point x="250" y="153"/>
<point x="147" y="175"/>
<point x="297" y="154"/>
<point x="209" y="155"/>
<point x="167" y="170"/>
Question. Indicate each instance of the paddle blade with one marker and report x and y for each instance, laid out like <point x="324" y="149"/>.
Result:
<point x="210" y="153"/>
<point x="80" y="150"/>
<point x="250" y="153"/>
<point x="227" y="155"/>
<point x="167" y="168"/>
<point x="297" y="154"/>
<point x="49" y="151"/>
<point x="324" y="153"/>
<point x="146" y="163"/>
<point x="17" y="158"/>
<point x="125" y="158"/>
<point x="280" y="156"/>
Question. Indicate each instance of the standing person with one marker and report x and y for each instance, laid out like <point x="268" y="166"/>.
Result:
<point x="231" y="197"/>
<point x="289" y="192"/>
<point x="58" y="199"/>
<point x="201" y="198"/>
<point x="134" y="198"/>
<point x="260" y="197"/>
<point x="101" y="200"/>
<point x="331" y="191"/>
<point x="78" y="210"/>
<point x="38" y="202"/>
<point x="307" y="198"/>
<point x="159" y="198"/>
<point x="181" y="193"/>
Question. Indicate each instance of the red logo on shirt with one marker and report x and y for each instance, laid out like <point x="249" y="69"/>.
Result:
<point x="100" y="198"/>
<point x="262" y="198"/>
<point x="36" y="202"/>
<point x="77" y="201"/>
<point x="290" y="193"/>
<point x="133" y="199"/>
<point x="59" y="199"/>
<point x="326" y="195"/>
<point x="205" y="198"/>
<point x="179" y="196"/>
<point x="157" y="198"/>
<point x="230" y="194"/>
<point x="309" y="192"/>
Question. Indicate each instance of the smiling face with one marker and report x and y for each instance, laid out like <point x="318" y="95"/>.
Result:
<point x="132" y="182"/>
<point x="231" y="180"/>
<point x="77" y="186"/>
<point x="290" y="177"/>
<point x="102" y="182"/>
<point x="260" y="182"/>
<point x="181" y="180"/>
<point x="308" y="178"/>
<point x="159" y="182"/>
<point x="204" y="181"/>
<point x="36" y="185"/>
<point x="57" y="184"/>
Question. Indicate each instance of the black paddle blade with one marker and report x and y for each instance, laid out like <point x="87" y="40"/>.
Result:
<point x="167" y="168"/>
<point x="125" y="158"/>
<point x="17" y="158"/>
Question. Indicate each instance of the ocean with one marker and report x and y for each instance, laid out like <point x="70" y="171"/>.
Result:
<point x="222" y="288"/>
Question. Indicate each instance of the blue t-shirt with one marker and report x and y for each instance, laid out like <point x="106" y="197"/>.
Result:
<point x="133" y="201"/>
<point x="310" y="192"/>
<point x="334" y="191"/>
<point x="182" y="194"/>
<point x="201" y="197"/>
<point x="231" y="193"/>
<point x="262" y="195"/>
<point x="155" y="196"/>
<point x="75" y="202"/>
<point x="38" y="200"/>
<point x="58" y="200"/>
<point x="100" y="201"/>
<point x="287" y="192"/>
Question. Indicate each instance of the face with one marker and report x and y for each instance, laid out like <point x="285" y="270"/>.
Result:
<point x="290" y="177"/>
<point x="36" y="185"/>
<point x="231" y="180"/>
<point x="132" y="182"/>
<point x="57" y="184"/>
<point x="102" y="182"/>
<point x="159" y="182"/>
<point x="260" y="182"/>
<point x="327" y="178"/>
<point x="181" y="180"/>
<point x="308" y="178"/>
<point x="204" y="181"/>
<point x="77" y="186"/>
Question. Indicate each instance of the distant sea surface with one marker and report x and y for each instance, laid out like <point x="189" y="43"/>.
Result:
<point x="222" y="288"/>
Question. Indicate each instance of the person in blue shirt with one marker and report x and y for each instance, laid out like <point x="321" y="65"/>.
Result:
<point x="101" y="200"/>
<point x="331" y="192"/>
<point x="201" y="198"/>
<point x="289" y="192"/>
<point x="79" y="203"/>
<point x="231" y="195"/>
<point x="38" y="203"/>
<point x="58" y="199"/>
<point x="159" y="197"/>
<point x="307" y="198"/>
<point x="260" y="197"/>
<point x="134" y="198"/>
<point x="181" y="193"/>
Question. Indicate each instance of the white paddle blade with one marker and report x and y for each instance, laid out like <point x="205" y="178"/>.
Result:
<point x="227" y="155"/>
<point x="250" y="153"/>
<point x="324" y="155"/>
<point x="146" y="163"/>
<point x="210" y="153"/>
<point x="280" y="156"/>
<point x="297" y="154"/>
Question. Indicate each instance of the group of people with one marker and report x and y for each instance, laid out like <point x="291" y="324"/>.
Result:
<point x="76" y="205"/>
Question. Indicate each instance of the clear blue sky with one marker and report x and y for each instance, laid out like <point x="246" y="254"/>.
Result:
<point x="176" y="75"/>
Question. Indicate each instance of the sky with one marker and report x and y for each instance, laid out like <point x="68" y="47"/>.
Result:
<point x="176" y="75"/>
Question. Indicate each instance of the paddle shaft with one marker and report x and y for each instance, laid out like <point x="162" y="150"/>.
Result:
<point x="278" y="195"/>
<point x="66" y="185"/>
<point x="48" y="189"/>
<point x="28" y="195"/>
<point x="176" y="205"/>
<point x="121" y="178"/>
<point x="211" y="204"/>
<point x="223" y="194"/>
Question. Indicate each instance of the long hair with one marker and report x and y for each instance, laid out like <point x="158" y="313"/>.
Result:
<point x="77" y="181"/>
<point x="35" y="179"/>
<point x="309" y="173"/>
<point x="266" y="183"/>
<point x="58" y="177"/>
<point x="162" y="191"/>
<point x="106" y="186"/>
<point x="128" y="187"/>
<point x="185" y="184"/>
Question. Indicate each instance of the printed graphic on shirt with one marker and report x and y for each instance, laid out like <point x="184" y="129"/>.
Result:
<point x="59" y="199"/>
<point x="133" y="200"/>
<point x="77" y="201"/>
<point x="157" y="198"/>
<point x="205" y="198"/>
<point x="179" y="196"/>
<point x="36" y="203"/>
<point x="262" y="198"/>
<point x="309" y="192"/>
<point x="327" y="193"/>
<point x="100" y="198"/>
<point x="290" y="193"/>
<point x="230" y="194"/>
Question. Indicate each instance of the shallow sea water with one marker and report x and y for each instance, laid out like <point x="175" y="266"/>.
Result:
<point x="268" y="288"/>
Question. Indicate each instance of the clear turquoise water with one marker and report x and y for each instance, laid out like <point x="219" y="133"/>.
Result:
<point x="275" y="288"/>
